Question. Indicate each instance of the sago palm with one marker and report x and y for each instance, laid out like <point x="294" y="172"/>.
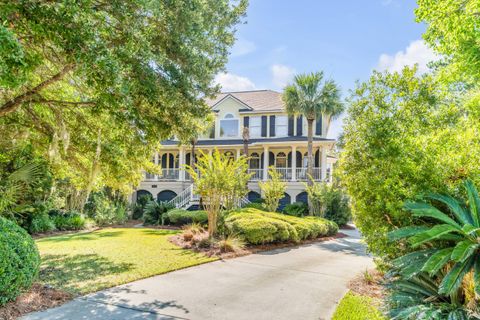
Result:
<point x="312" y="97"/>
<point x="451" y="245"/>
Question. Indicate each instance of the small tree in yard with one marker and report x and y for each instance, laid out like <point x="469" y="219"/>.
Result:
<point x="273" y="190"/>
<point x="317" y="194"/>
<point x="221" y="182"/>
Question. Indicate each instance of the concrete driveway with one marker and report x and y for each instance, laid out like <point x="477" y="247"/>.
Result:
<point x="304" y="282"/>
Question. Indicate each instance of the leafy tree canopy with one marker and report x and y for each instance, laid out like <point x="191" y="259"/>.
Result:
<point x="94" y="85"/>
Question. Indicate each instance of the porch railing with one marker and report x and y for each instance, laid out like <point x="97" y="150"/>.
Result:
<point x="301" y="174"/>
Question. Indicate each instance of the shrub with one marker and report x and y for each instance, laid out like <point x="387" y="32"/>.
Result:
<point x="139" y="207"/>
<point x="187" y="235"/>
<point x="19" y="260"/>
<point x="155" y="212"/>
<point x="231" y="243"/>
<point x="104" y="211"/>
<point x="257" y="226"/>
<point x="41" y="223"/>
<point x="182" y="217"/>
<point x="297" y="209"/>
<point x="194" y="228"/>
<point x="256" y="205"/>
<point x="70" y="221"/>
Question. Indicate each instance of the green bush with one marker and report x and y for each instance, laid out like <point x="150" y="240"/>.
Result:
<point x="181" y="217"/>
<point x="338" y="207"/>
<point x="258" y="226"/>
<point x="41" y="223"/>
<point x="104" y="210"/>
<point x="357" y="307"/>
<point x="297" y="209"/>
<point x="256" y="205"/>
<point x="139" y="207"/>
<point x="155" y="212"/>
<point x="70" y="221"/>
<point x="19" y="260"/>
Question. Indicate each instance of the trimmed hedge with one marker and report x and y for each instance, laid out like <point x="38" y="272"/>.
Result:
<point x="19" y="260"/>
<point x="181" y="217"/>
<point x="258" y="226"/>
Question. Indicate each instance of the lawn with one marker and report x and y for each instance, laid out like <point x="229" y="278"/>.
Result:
<point x="357" y="307"/>
<point x="86" y="262"/>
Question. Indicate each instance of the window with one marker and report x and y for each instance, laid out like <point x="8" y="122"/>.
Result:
<point x="254" y="161"/>
<point x="281" y="126"/>
<point x="229" y="126"/>
<point x="281" y="160"/>
<point x="255" y="127"/>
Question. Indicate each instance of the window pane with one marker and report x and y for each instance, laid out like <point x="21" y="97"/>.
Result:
<point x="229" y="128"/>
<point x="255" y="127"/>
<point x="281" y="126"/>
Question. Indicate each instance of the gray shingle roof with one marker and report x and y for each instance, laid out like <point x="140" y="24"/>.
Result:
<point x="227" y="142"/>
<point x="257" y="100"/>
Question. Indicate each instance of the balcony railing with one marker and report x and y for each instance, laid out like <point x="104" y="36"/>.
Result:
<point x="301" y="174"/>
<point x="257" y="174"/>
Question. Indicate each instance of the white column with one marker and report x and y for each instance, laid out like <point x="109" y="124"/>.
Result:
<point x="156" y="162"/>
<point x="265" y="163"/>
<point x="210" y="152"/>
<point x="323" y="163"/>
<point x="294" y="163"/>
<point x="181" y="164"/>
<point x="238" y="154"/>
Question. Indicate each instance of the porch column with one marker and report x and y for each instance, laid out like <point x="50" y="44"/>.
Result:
<point x="294" y="163"/>
<point x="323" y="163"/>
<point x="156" y="162"/>
<point x="265" y="163"/>
<point x="181" y="164"/>
<point x="210" y="152"/>
<point x="238" y="154"/>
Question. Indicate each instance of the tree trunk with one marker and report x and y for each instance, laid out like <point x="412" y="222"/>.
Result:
<point x="192" y="156"/>
<point x="12" y="105"/>
<point x="246" y="137"/>
<point x="310" y="160"/>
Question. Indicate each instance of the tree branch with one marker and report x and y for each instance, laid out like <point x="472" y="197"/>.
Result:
<point x="12" y="105"/>
<point x="74" y="103"/>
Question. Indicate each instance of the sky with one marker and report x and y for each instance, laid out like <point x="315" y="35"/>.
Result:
<point x="346" y="39"/>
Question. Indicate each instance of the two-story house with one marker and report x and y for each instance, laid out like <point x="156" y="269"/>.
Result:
<point x="275" y="139"/>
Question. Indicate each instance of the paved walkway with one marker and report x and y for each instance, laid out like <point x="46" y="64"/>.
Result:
<point x="304" y="282"/>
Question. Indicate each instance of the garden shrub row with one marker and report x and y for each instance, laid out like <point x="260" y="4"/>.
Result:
<point x="56" y="220"/>
<point x="181" y="217"/>
<point x="258" y="227"/>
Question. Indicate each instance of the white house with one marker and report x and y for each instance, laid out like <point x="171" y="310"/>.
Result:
<point x="275" y="139"/>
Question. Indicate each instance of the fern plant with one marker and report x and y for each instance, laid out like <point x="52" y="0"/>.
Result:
<point x="448" y="250"/>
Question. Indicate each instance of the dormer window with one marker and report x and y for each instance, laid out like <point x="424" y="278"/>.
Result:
<point x="229" y="126"/>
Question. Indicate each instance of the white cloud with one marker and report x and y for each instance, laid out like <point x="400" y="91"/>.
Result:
<point x="242" y="47"/>
<point x="281" y="75"/>
<point x="233" y="82"/>
<point x="417" y="52"/>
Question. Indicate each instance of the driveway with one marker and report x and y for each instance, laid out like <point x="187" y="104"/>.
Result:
<point x="304" y="282"/>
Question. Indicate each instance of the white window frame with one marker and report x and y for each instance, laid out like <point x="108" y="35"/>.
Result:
<point x="281" y="126"/>
<point x="231" y="117"/>
<point x="253" y="127"/>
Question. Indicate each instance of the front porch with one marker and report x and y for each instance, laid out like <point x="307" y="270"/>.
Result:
<point x="291" y="162"/>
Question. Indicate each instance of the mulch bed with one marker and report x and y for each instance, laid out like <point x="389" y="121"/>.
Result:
<point x="38" y="298"/>
<point x="368" y="285"/>
<point x="210" y="252"/>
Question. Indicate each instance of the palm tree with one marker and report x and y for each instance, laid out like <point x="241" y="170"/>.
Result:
<point x="312" y="97"/>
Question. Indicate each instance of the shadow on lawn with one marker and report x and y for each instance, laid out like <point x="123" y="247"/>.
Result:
<point x="68" y="272"/>
<point x="95" y="235"/>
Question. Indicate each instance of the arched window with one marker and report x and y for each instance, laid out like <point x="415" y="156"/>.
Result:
<point x="254" y="161"/>
<point x="229" y="126"/>
<point x="281" y="160"/>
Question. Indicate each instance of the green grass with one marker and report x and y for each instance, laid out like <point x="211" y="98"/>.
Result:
<point x="86" y="262"/>
<point x="357" y="307"/>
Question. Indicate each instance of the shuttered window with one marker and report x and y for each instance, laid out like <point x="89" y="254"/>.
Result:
<point x="281" y="126"/>
<point x="255" y="127"/>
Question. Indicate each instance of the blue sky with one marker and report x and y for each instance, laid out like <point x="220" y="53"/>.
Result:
<point x="346" y="39"/>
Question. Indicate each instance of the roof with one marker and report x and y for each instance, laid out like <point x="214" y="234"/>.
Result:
<point x="257" y="100"/>
<point x="226" y="142"/>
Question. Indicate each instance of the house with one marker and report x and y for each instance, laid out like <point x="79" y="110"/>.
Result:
<point x="275" y="139"/>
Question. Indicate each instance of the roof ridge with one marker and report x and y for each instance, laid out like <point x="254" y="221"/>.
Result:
<point x="259" y="90"/>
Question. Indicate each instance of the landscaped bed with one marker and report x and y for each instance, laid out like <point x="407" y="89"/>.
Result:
<point x="364" y="299"/>
<point x="80" y="263"/>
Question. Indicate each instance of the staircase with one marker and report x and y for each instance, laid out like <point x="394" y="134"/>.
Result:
<point x="188" y="198"/>
<point x="185" y="199"/>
